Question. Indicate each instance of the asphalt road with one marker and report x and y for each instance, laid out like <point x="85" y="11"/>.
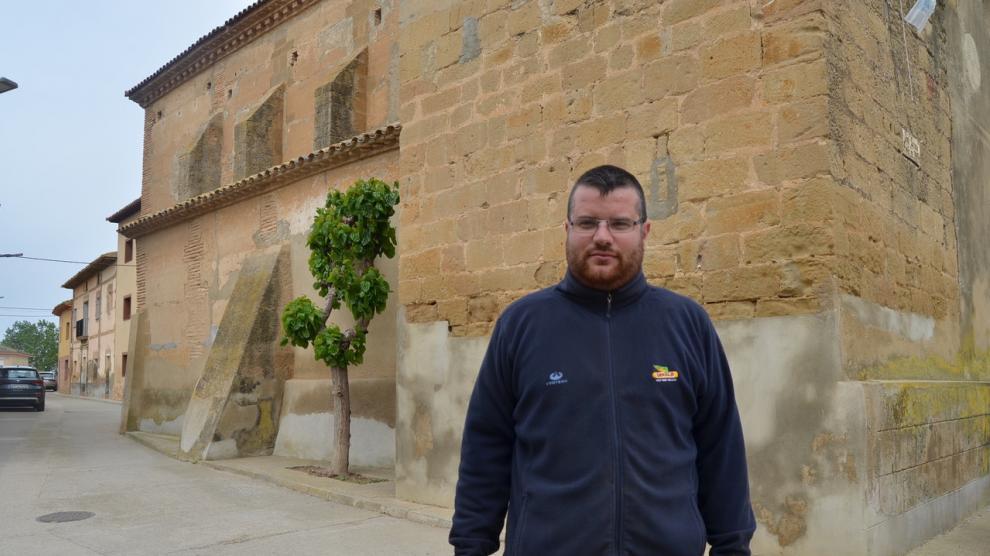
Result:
<point x="70" y="458"/>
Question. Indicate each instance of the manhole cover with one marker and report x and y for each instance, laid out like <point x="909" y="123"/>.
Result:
<point x="62" y="517"/>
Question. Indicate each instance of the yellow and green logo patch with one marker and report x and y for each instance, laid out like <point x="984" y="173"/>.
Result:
<point x="663" y="374"/>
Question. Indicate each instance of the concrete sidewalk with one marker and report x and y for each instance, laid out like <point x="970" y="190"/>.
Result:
<point x="970" y="538"/>
<point x="376" y="497"/>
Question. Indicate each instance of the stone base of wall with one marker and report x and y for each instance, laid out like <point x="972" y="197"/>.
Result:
<point x="434" y="379"/>
<point x="844" y="466"/>
<point x="929" y="459"/>
<point x="306" y="425"/>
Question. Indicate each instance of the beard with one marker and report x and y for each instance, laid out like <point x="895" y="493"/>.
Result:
<point x="604" y="274"/>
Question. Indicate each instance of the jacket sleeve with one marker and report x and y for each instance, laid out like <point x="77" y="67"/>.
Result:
<point x="484" y="476"/>
<point x="723" y="481"/>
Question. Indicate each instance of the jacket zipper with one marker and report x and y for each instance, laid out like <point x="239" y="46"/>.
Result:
<point x="616" y="438"/>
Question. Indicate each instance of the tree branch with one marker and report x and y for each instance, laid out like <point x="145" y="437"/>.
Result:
<point x="331" y="297"/>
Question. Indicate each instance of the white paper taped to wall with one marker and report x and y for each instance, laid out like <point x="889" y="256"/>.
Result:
<point x="919" y="14"/>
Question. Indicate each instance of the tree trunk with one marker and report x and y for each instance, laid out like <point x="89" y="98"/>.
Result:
<point x="340" y="391"/>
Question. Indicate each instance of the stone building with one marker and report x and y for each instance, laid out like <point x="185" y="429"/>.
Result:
<point x="65" y="335"/>
<point x="816" y="174"/>
<point x="245" y="132"/>
<point x="92" y="350"/>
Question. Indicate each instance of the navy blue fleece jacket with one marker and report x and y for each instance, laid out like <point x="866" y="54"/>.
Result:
<point x="605" y="422"/>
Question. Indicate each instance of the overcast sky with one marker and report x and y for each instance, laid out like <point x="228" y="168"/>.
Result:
<point x="70" y="142"/>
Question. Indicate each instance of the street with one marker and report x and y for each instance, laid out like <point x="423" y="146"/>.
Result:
<point x="71" y="459"/>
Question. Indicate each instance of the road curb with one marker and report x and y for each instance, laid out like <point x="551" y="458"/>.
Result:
<point x="332" y="490"/>
<point x="75" y="397"/>
<point x="410" y="511"/>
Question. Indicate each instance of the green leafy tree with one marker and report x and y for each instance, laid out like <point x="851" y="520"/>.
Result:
<point x="348" y="234"/>
<point x="39" y="339"/>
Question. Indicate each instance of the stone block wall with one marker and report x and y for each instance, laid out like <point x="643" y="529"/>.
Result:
<point x="719" y="107"/>
<point x="270" y="77"/>
<point x="891" y="129"/>
<point x="800" y="164"/>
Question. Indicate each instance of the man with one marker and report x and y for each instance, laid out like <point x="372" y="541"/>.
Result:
<point x="603" y="415"/>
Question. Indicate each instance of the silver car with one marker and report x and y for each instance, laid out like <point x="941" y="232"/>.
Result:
<point x="51" y="380"/>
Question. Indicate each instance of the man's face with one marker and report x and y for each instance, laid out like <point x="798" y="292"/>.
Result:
<point x="605" y="259"/>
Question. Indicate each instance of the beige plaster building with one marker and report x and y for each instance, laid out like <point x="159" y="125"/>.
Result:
<point x="65" y="335"/>
<point x="126" y="293"/>
<point x="93" y="371"/>
<point x="10" y="357"/>
<point x="816" y="175"/>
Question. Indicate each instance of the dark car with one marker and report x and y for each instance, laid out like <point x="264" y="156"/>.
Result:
<point x="22" y="386"/>
<point x="51" y="380"/>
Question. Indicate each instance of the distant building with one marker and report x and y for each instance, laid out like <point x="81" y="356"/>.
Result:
<point x="64" y="313"/>
<point x="126" y="293"/>
<point x="10" y="356"/>
<point x="92" y="350"/>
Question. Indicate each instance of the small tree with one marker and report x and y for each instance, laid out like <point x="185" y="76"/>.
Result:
<point x="348" y="234"/>
<point x="38" y="339"/>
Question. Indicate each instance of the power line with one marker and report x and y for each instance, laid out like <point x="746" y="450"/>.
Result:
<point x="63" y="261"/>
<point x="26" y="308"/>
<point x="30" y="316"/>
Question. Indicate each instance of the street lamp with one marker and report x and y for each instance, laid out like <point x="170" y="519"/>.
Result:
<point x="6" y="85"/>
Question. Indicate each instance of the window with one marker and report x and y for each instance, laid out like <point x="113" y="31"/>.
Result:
<point x="123" y="365"/>
<point x="99" y="304"/>
<point x="128" y="250"/>
<point x="127" y="307"/>
<point x="67" y="327"/>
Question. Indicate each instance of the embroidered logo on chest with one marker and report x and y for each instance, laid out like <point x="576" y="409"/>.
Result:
<point x="556" y="377"/>
<point x="663" y="374"/>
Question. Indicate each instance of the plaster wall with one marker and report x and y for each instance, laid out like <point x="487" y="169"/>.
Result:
<point x="9" y="359"/>
<point x="94" y="372"/>
<point x="66" y="330"/>
<point x="804" y="426"/>
<point x="126" y="287"/>
<point x="306" y="423"/>
<point x="965" y="25"/>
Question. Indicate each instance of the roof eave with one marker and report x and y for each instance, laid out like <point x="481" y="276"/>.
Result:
<point x="100" y="263"/>
<point x="238" y="31"/>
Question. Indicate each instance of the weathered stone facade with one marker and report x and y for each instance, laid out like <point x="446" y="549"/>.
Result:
<point x="231" y="183"/>
<point x="799" y="163"/>
<point x="815" y="171"/>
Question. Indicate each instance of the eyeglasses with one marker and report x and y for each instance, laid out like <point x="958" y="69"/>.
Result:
<point x="589" y="225"/>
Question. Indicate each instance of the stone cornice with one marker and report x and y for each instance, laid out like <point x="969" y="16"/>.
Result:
<point x="362" y="146"/>
<point x="238" y="31"/>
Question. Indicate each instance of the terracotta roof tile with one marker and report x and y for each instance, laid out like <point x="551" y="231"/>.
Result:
<point x="247" y="25"/>
<point x="99" y="263"/>
<point x="362" y="146"/>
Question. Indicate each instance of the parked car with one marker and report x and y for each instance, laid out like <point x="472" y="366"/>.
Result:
<point x="51" y="380"/>
<point x="22" y="386"/>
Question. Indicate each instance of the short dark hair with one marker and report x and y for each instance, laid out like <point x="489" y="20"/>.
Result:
<point x="605" y="179"/>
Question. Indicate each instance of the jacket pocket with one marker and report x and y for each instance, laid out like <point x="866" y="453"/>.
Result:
<point x="516" y="549"/>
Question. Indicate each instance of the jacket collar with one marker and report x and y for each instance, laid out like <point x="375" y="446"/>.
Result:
<point x="628" y="293"/>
